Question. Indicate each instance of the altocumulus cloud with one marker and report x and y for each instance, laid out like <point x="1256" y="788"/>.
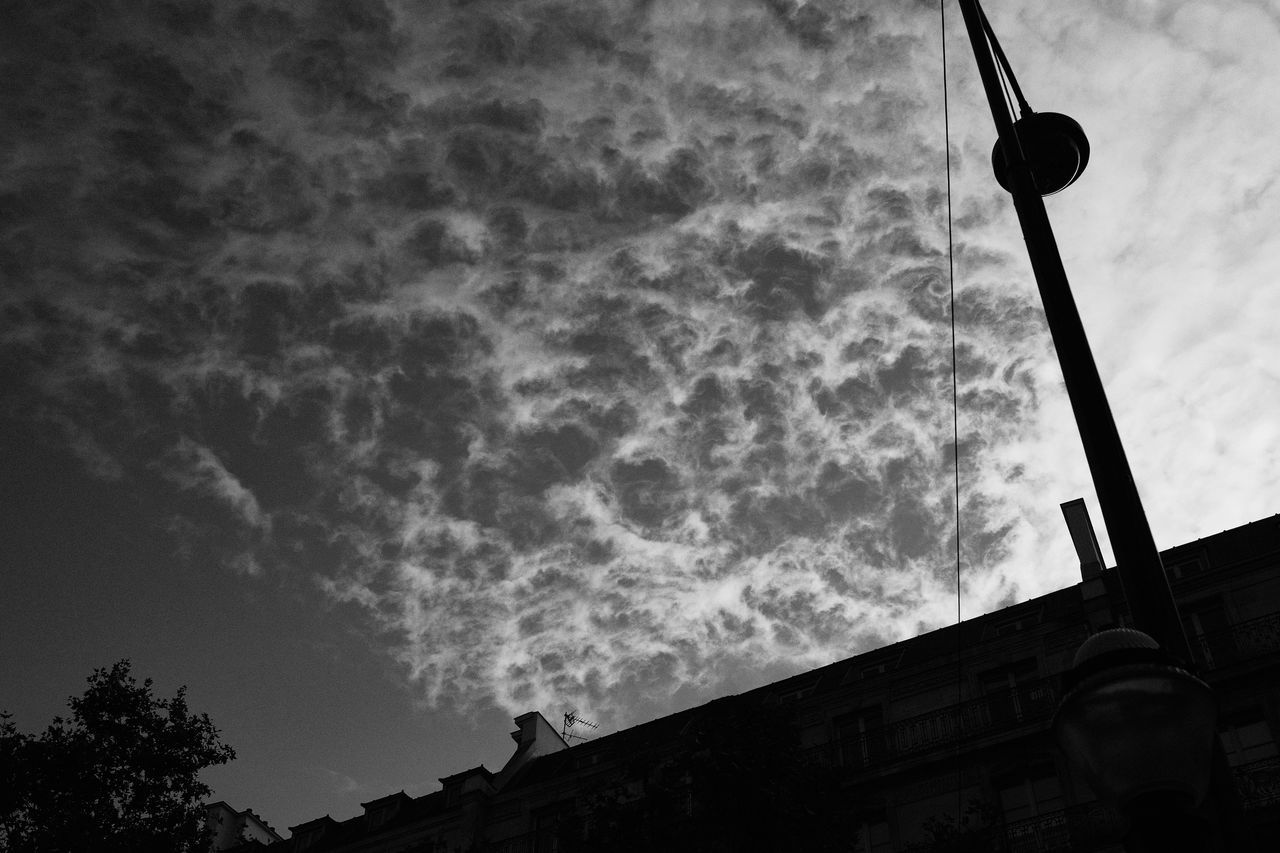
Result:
<point x="594" y="352"/>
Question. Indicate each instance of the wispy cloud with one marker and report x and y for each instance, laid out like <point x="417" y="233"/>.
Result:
<point x="194" y="467"/>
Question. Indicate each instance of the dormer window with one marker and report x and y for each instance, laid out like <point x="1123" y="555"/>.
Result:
<point x="590" y="759"/>
<point x="378" y="812"/>
<point x="875" y="669"/>
<point x="1009" y="626"/>
<point x="797" y="694"/>
<point x="477" y="780"/>
<point x="872" y="665"/>
<point x="1181" y="569"/>
<point x="306" y="835"/>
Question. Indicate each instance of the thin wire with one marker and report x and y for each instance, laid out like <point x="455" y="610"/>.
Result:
<point x="951" y="274"/>
<point x="955" y="398"/>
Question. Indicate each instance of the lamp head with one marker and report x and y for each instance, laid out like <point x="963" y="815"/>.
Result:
<point x="1134" y="722"/>
<point x="1055" y="147"/>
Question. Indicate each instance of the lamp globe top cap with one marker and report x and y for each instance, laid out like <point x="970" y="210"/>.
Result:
<point x="1115" y="647"/>
<point x="1111" y="641"/>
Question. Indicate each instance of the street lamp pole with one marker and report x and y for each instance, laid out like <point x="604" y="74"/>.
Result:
<point x="1141" y="571"/>
<point x="1138" y="561"/>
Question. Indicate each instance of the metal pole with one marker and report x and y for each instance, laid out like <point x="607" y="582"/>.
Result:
<point x="1137" y="558"/>
<point x="1141" y="572"/>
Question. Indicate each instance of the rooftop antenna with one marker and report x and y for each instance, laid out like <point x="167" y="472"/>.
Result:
<point x="572" y="719"/>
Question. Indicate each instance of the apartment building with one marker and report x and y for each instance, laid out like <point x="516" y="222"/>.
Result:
<point x="936" y="743"/>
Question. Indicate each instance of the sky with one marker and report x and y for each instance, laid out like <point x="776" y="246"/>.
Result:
<point x="384" y="370"/>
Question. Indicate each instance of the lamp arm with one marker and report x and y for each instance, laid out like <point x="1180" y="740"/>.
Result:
<point x="1023" y="107"/>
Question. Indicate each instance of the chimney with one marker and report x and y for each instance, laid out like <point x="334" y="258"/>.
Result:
<point x="1082" y="536"/>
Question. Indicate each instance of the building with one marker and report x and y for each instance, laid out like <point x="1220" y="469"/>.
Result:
<point x="229" y="828"/>
<point x="939" y="742"/>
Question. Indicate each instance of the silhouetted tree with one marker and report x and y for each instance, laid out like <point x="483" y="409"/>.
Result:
<point x="972" y="834"/>
<point x="119" y="775"/>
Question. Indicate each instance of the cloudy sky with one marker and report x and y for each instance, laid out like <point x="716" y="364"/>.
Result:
<point x="382" y="370"/>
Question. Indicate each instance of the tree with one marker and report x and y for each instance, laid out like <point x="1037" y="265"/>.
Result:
<point x="973" y="833"/>
<point x="120" y="775"/>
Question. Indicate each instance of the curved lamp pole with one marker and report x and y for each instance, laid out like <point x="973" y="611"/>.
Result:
<point x="1059" y="152"/>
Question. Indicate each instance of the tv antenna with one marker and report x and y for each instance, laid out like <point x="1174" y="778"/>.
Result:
<point x="572" y="719"/>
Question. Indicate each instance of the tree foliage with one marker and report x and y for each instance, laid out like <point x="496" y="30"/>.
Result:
<point x="120" y="775"/>
<point x="972" y="834"/>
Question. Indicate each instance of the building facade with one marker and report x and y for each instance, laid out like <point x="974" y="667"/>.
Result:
<point x="936" y="743"/>
<point x="229" y="828"/>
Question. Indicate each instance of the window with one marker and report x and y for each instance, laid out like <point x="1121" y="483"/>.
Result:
<point x="1246" y="737"/>
<point x="1032" y="804"/>
<point x="308" y="834"/>
<point x="378" y="812"/>
<point x="1013" y="693"/>
<point x="873" y="835"/>
<point x="875" y="669"/>
<point x="1011" y="625"/>
<point x="1185" y="568"/>
<point x="797" y="694"/>
<point x="1030" y="794"/>
<point x="1209" y="632"/>
<point x="861" y="737"/>
<point x="553" y="828"/>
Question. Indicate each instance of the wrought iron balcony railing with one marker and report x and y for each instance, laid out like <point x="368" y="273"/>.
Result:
<point x="1003" y="711"/>
<point x="523" y="843"/>
<point x="1077" y="828"/>
<point x="1258" y="783"/>
<point x="1243" y="641"/>
<point x="1082" y="827"/>
<point x="1030" y="703"/>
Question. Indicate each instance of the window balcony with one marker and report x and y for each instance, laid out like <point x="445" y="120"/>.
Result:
<point x="999" y="712"/>
<point x="1080" y="828"/>
<point x="1258" y="783"/>
<point x="1244" y="641"/>
<point x="523" y="843"/>
<point x="539" y="841"/>
<point x="1084" y="827"/>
